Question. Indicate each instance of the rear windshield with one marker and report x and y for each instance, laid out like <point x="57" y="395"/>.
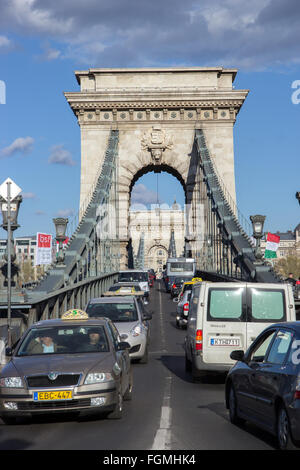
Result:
<point x="225" y="304"/>
<point x="267" y="305"/>
<point x="116" y="312"/>
<point x="181" y="267"/>
<point x="188" y="287"/>
<point x="133" y="277"/>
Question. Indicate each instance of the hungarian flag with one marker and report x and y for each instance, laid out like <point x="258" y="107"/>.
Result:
<point x="272" y="245"/>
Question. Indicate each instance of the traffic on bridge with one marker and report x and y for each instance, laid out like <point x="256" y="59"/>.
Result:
<point x="165" y="399"/>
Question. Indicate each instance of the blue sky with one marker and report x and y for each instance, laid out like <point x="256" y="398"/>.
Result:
<point x="43" y="42"/>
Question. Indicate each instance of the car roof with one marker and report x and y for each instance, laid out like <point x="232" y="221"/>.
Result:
<point x="126" y="283"/>
<point x="288" y="324"/>
<point x="112" y="300"/>
<point x="65" y="323"/>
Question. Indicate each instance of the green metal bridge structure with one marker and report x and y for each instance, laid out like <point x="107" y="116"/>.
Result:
<point x="91" y="261"/>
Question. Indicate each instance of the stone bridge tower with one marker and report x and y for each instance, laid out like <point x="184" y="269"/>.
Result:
<point x="156" y="111"/>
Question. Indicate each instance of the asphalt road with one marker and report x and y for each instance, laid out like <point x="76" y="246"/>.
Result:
<point x="168" y="411"/>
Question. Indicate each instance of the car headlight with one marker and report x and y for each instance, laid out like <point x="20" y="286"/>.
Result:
<point x="11" y="382"/>
<point x="97" y="377"/>
<point x="136" y="331"/>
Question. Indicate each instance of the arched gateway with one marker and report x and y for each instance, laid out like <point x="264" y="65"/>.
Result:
<point x="156" y="112"/>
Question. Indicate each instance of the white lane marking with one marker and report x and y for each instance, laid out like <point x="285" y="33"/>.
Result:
<point x="162" y="440"/>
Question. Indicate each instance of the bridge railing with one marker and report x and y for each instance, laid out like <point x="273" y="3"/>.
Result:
<point x="45" y="306"/>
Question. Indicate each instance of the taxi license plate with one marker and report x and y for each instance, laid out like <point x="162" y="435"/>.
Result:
<point x="224" y="342"/>
<point x="53" y="395"/>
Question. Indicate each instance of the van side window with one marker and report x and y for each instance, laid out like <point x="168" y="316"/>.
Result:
<point x="267" y="305"/>
<point x="225" y="304"/>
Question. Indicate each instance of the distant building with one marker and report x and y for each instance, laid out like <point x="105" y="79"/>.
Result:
<point x="289" y="243"/>
<point x="155" y="226"/>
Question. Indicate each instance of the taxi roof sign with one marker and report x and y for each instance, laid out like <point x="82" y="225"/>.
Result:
<point x="75" y="314"/>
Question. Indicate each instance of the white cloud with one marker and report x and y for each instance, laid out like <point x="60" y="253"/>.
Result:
<point x="28" y="195"/>
<point x="21" y="144"/>
<point x="5" y="43"/>
<point x="143" y="195"/>
<point x="259" y="33"/>
<point x="65" y="213"/>
<point x="61" y="156"/>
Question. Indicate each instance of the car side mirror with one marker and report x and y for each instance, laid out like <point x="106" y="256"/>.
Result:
<point x="123" y="345"/>
<point x="237" y="355"/>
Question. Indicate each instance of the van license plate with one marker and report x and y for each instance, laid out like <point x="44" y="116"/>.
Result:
<point x="224" y="342"/>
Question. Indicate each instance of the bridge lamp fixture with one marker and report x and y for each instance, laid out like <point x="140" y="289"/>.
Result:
<point x="11" y="214"/>
<point x="258" y="225"/>
<point x="60" y="227"/>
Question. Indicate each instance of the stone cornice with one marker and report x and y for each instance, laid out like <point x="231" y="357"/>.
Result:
<point x="88" y="105"/>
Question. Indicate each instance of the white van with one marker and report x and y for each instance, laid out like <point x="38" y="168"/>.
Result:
<point x="228" y="316"/>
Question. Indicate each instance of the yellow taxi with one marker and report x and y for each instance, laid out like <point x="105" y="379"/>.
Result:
<point x="188" y="286"/>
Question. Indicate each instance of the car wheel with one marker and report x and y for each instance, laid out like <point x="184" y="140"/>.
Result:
<point x="128" y="393"/>
<point x="117" y="412"/>
<point x="144" y="359"/>
<point x="284" y="437"/>
<point x="232" y="402"/>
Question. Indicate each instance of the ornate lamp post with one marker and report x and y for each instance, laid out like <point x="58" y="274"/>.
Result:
<point x="10" y="211"/>
<point x="258" y="225"/>
<point x="298" y="196"/>
<point x="60" y="227"/>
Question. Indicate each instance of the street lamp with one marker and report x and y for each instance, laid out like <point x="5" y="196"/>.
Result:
<point x="258" y="225"/>
<point x="298" y="196"/>
<point x="10" y="211"/>
<point x="60" y="227"/>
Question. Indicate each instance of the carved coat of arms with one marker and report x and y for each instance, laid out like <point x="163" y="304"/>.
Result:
<point x="156" y="142"/>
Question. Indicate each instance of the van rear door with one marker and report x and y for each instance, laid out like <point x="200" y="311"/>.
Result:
<point x="224" y="328"/>
<point x="266" y="304"/>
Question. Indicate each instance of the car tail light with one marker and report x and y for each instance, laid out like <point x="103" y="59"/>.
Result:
<point x="186" y="307"/>
<point x="297" y="395"/>
<point x="174" y="286"/>
<point x="199" y="340"/>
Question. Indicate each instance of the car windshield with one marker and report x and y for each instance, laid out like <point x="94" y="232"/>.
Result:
<point x="116" y="312"/>
<point x="132" y="276"/>
<point x="69" y="339"/>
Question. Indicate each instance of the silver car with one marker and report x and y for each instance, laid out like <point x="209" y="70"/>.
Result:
<point x="66" y="365"/>
<point x="128" y="314"/>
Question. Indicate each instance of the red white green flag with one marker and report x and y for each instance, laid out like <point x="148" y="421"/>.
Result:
<point x="272" y="245"/>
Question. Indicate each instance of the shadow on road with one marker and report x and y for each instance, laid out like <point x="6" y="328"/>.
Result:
<point x="176" y="365"/>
